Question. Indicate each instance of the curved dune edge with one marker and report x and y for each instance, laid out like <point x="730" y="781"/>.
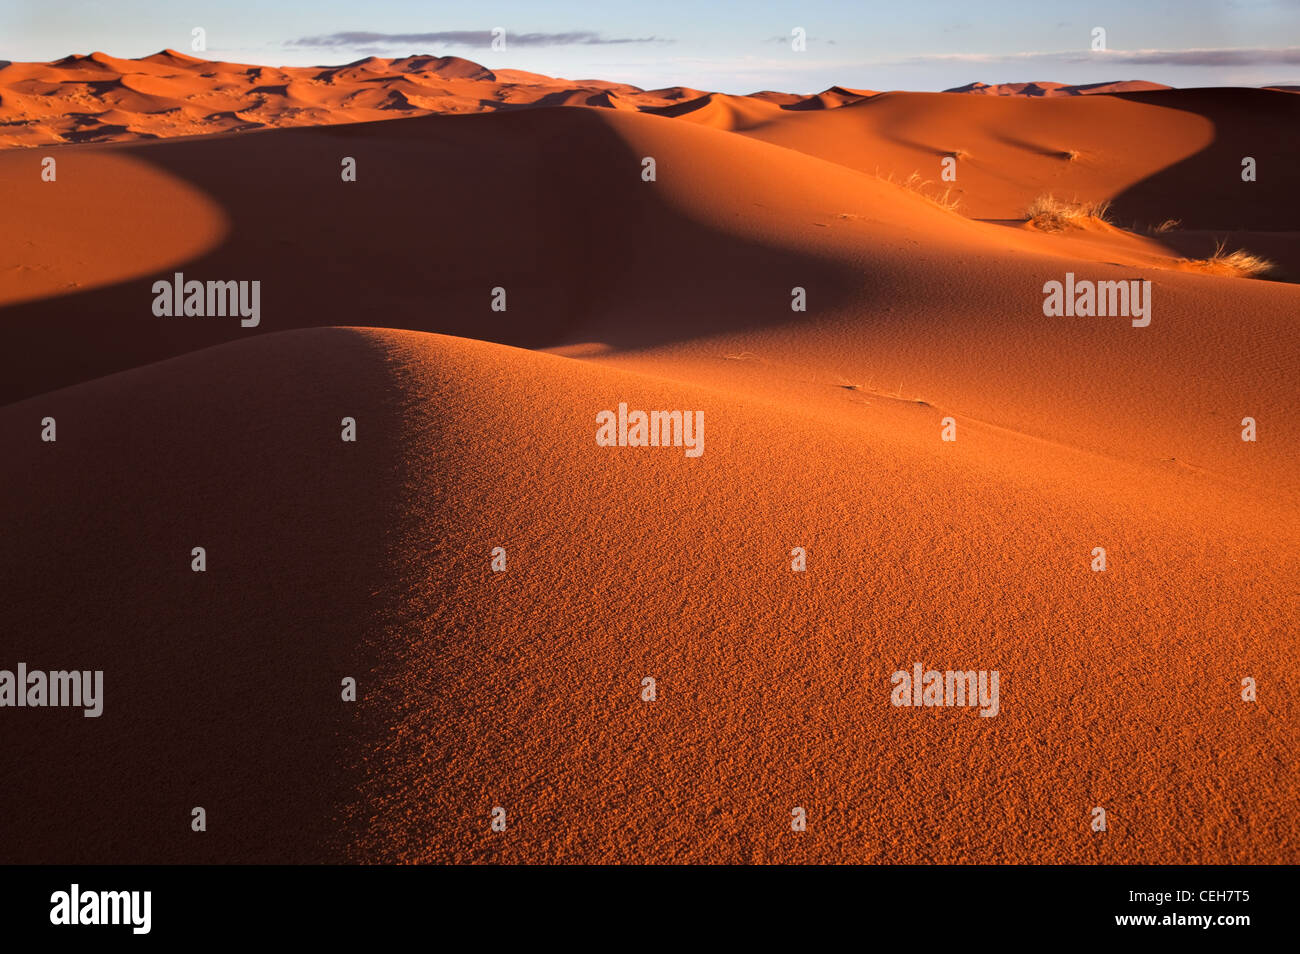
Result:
<point x="904" y="298"/>
<point x="521" y="689"/>
<point x="583" y="259"/>
<point x="90" y="230"/>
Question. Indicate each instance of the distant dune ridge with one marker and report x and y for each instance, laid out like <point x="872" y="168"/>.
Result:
<point x="826" y="536"/>
<point x="1057" y="89"/>
<point x="100" y="98"/>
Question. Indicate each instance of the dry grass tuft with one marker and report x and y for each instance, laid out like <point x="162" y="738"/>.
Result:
<point x="922" y="187"/>
<point x="1238" y="264"/>
<point x="1051" y="214"/>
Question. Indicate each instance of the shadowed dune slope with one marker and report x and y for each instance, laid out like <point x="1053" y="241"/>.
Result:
<point x="221" y="688"/>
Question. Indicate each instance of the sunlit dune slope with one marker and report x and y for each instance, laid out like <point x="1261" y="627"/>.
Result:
<point x="1166" y="154"/>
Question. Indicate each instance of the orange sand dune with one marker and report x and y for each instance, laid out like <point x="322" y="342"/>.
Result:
<point x="822" y="430"/>
<point x="723" y="112"/>
<point x="832" y="98"/>
<point x="582" y="258"/>
<point x="522" y="689"/>
<point x="100" y="98"/>
<point x="1012" y="147"/>
<point x="172" y="94"/>
<point x="1172" y="154"/>
<point x="1056" y="89"/>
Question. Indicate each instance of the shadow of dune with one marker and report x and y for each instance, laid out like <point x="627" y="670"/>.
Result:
<point x="93" y="133"/>
<point x="1205" y="190"/>
<point x="1033" y="148"/>
<point x="907" y="143"/>
<point x="221" y="689"/>
<point x="547" y="203"/>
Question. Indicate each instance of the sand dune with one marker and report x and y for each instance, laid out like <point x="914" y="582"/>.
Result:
<point x="1011" y="150"/>
<point x="476" y="430"/>
<point x="219" y="691"/>
<point x="581" y="259"/>
<point x="100" y="98"/>
<point x="833" y="98"/>
<point x="172" y="94"/>
<point x="723" y="112"/>
<point x="521" y="689"/>
<point x="1056" y="89"/>
<point x="775" y="693"/>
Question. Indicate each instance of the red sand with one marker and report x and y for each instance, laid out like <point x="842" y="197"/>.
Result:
<point x="822" y="430"/>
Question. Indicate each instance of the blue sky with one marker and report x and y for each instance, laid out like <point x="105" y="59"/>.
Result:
<point x="735" y="47"/>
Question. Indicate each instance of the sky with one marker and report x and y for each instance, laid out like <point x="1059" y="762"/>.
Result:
<point x="732" y="47"/>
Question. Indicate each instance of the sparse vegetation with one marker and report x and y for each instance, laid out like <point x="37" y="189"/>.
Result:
<point x="1240" y="263"/>
<point x="922" y="187"/>
<point x="1069" y="155"/>
<point x="1051" y="214"/>
<point x="1168" y="225"/>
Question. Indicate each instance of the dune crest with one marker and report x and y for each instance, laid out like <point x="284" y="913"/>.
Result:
<point x="169" y="94"/>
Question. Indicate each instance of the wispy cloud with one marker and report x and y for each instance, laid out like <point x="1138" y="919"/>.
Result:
<point x="1226" y="57"/>
<point x="1195" y="57"/>
<point x="810" y="39"/>
<point x="471" y="38"/>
